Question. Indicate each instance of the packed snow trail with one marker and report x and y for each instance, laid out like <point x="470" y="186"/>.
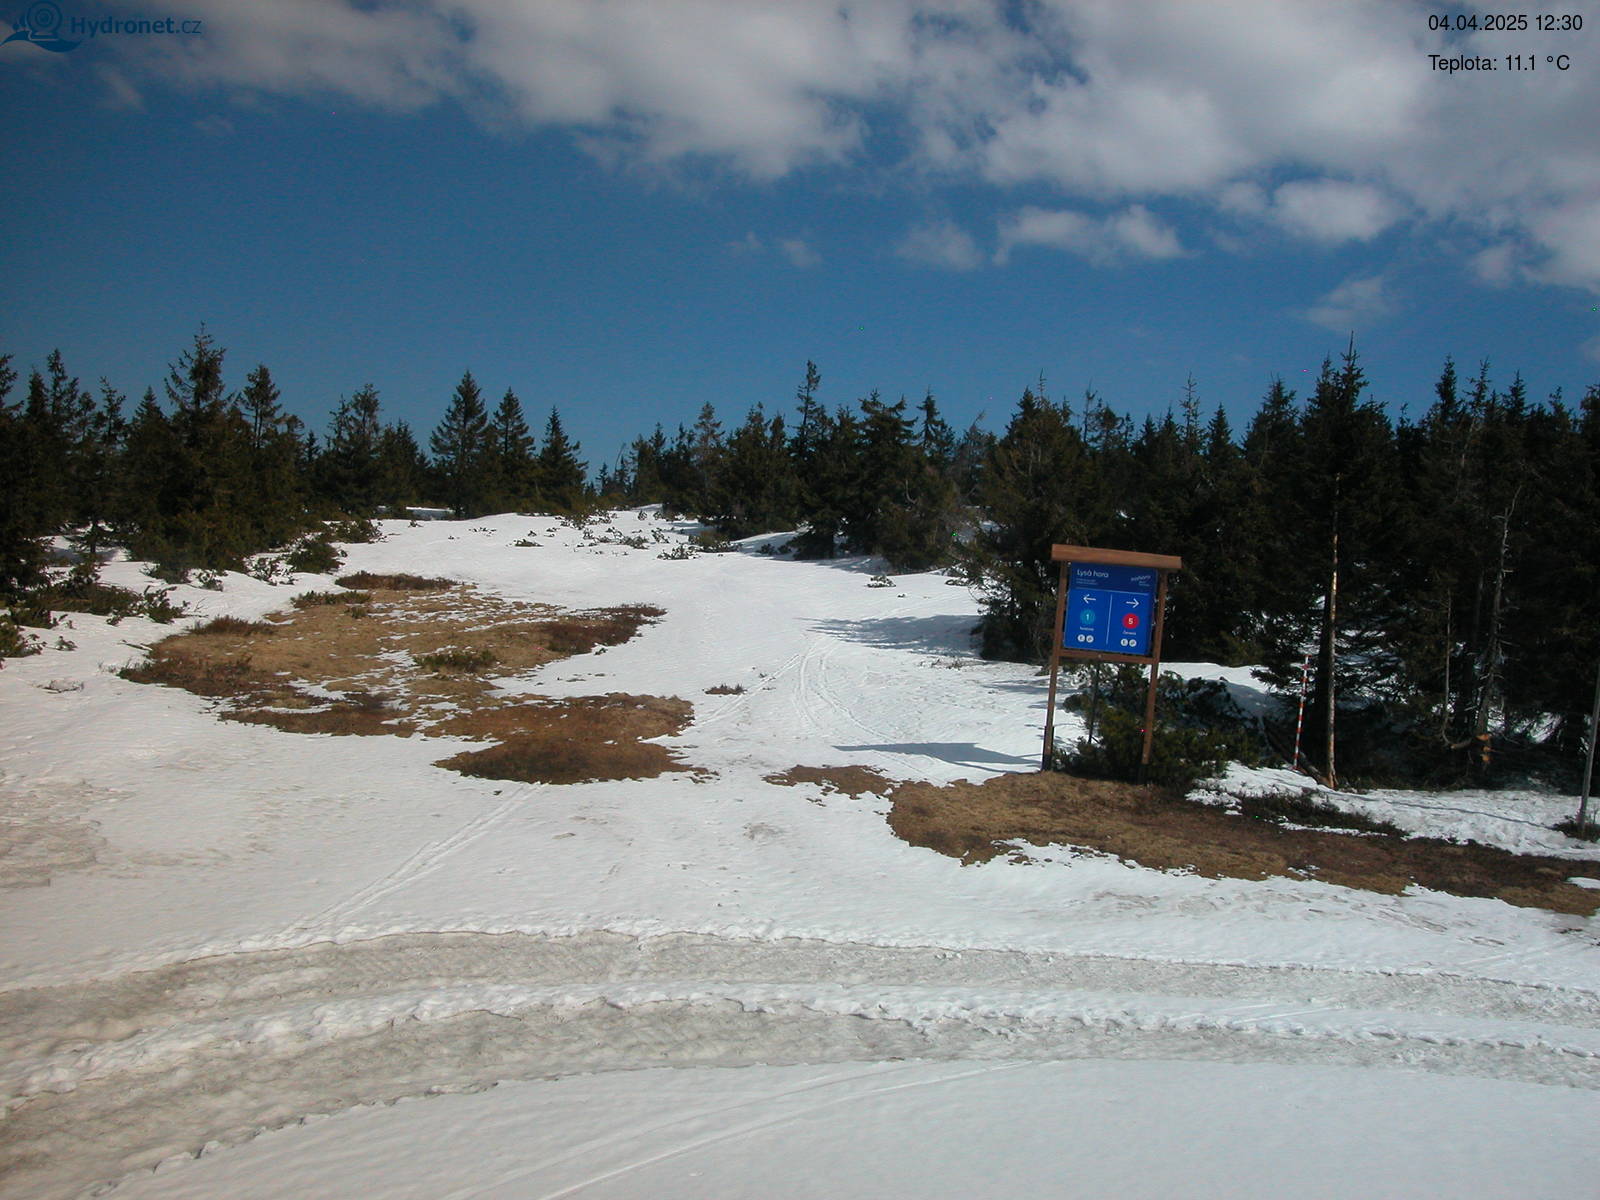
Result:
<point x="215" y="930"/>
<point x="117" y="1075"/>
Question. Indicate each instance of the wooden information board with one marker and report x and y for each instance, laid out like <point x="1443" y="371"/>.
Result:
<point x="1109" y="608"/>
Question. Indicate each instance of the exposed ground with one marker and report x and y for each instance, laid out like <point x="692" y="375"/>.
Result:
<point x="975" y="822"/>
<point x="407" y="655"/>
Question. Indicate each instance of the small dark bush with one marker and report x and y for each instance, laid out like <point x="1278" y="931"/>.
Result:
<point x="723" y="689"/>
<point x="13" y="642"/>
<point x="1588" y="833"/>
<point x="355" y="529"/>
<point x="202" y="676"/>
<point x="1303" y="808"/>
<point x="161" y="608"/>
<point x="314" y="556"/>
<point x="82" y="591"/>
<point x="457" y="659"/>
<point x="1198" y="731"/>
<point x="168" y="571"/>
<point x="393" y="583"/>
<point x="235" y="625"/>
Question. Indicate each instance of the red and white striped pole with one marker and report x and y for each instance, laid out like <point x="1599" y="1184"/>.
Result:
<point x="1300" y="720"/>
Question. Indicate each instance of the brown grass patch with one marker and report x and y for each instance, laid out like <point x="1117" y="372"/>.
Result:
<point x="571" y="741"/>
<point x="312" y="599"/>
<point x="402" y="582"/>
<point x="412" y="659"/>
<point x="198" y="673"/>
<point x="456" y="658"/>
<point x="852" y="781"/>
<point x="582" y="632"/>
<point x="236" y="625"/>
<point x="615" y="715"/>
<point x="1158" y="829"/>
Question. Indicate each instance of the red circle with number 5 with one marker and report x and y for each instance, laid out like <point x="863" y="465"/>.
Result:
<point x="1130" y="621"/>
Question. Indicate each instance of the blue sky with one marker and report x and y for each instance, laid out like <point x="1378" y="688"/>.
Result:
<point x="626" y="209"/>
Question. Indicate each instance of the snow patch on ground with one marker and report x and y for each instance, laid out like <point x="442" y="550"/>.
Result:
<point x="312" y="922"/>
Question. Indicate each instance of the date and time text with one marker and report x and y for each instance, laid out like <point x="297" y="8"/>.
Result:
<point x="1508" y="23"/>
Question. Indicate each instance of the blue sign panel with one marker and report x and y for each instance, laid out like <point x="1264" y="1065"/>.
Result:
<point x="1110" y="609"/>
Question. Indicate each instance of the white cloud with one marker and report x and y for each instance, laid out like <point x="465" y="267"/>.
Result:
<point x="798" y="252"/>
<point x="1132" y="233"/>
<point x="1569" y="237"/>
<point x="1098" y="101"/>
<point x="1496" y="265"/>
<point x="940" y="244"/>
<point x="1328" y="210"/>
<point x="1354" y="306"/>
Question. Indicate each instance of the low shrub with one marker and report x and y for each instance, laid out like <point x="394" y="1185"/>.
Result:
<point x="393" y="583"/>
<point x="1301" y="807"/>
<point x="14" y="643"/>
<point x="1589" y="832"/>
<point x="318" y="599"/>
<point x="235" y="625"/>
<point x="1199" y="730"/>
<point x="194" y="673"/>
<point x="159" y="606"/>
<point x="355" y="529"/>
<point x="464" y="659"/>
<point x="314" y="556"/>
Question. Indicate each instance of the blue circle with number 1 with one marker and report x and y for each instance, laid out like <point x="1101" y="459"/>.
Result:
<point x="1086" y="617"/>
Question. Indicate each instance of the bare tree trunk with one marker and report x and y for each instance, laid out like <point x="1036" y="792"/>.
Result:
<point x="1327" y="661"/>
<point x="1492" y="653"/>
<point x="1444" y="703"/>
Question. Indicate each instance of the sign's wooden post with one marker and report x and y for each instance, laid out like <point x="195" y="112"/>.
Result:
<point x="1110" y="607"/>
<point x="1055" y="644"/>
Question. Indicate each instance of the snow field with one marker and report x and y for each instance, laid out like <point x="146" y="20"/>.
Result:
<point x="243" y="928"/>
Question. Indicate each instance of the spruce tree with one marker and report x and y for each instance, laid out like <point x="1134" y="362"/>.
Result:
<point x="1349" y="489"/>
<point x="460" y="445"/>
<point x="513" y="478"/>
<point x="350" y="468"/>
<point x="563" y="477"/>
<point x="204" y="522"/>
<point x="1039" y="487"/>
<point x="402" y="469"/>
<point x="755" y="483"/>
<point x="275" y="502"/>
<point x="22" y="525"/>
<point x="150" y="490"/>
<point x="828" y="482"/>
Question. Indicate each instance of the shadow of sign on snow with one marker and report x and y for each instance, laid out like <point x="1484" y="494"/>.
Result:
<point x="960" y="754"/>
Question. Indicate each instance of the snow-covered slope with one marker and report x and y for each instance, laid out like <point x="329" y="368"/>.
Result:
<point x="308" y="923"/>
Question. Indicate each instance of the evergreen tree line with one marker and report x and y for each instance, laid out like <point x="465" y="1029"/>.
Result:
<point x="1441" y="573"/>
<point x="1443" y="570"/>
<point x="211" y="475"/>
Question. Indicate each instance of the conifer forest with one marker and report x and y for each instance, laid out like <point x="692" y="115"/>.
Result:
<point x="1434" y="575"/>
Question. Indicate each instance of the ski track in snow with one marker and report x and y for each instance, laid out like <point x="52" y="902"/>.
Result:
<point x="100" y="1077"/>
<point x="424" y="862"/>
<point x="120" y="1074"/>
